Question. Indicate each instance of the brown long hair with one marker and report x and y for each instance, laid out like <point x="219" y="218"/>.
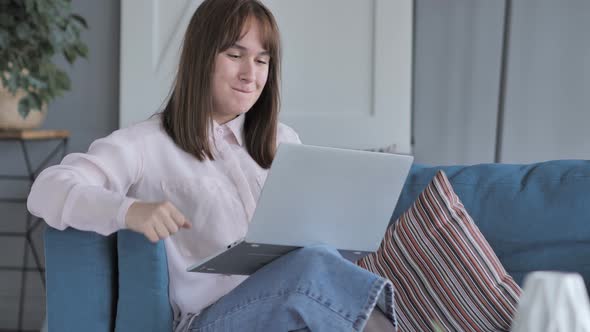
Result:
<point x="186" y="118"/>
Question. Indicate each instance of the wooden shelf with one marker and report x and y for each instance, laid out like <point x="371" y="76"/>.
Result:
<point x="33" y="134"/>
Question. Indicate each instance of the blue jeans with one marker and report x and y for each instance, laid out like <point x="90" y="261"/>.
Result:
<point x="312" y="288"/>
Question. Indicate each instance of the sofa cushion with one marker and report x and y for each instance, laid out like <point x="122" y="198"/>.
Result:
<point x="143" y="303"/>
<point x="535" y="216"/>
<point x="443" y="270"/>
<point x="81" y="276"/>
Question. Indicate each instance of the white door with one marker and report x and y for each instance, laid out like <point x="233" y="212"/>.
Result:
<point x="346" y="66"/>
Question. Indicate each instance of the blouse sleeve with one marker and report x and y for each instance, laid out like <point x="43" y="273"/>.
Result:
<point x="88" y="191"/>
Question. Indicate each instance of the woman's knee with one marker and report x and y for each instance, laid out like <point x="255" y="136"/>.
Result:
<point x="314" y="257"/>
<point x="316" y="252"/>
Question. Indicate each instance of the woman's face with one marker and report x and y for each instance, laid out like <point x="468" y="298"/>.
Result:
<point x="239" y="75"/>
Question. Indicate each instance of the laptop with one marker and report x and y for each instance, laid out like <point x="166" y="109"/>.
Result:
<point x="317" y="195"/>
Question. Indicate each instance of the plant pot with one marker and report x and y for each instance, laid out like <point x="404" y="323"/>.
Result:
<point x="10" y="118"/>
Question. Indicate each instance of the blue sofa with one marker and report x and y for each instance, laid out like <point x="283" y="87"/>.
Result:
<point x="535" y="217"/>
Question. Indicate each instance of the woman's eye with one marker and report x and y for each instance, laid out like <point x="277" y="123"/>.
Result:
<point x="262" y="62"/>
<point x="233" y="56"/>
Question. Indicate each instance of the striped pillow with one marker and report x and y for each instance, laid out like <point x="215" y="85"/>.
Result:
<point x="443" y="270"/>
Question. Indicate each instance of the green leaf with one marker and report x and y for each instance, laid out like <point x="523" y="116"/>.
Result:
<point x="62" y="80"/>
<point x="80" y="20"/>
<point x="23" y="31"/>
<point x="7" y="84"/>
<point x="82" y="49"/>
<point x="70" y="55"/>
<point x="24" y="108"/>
<point x="6" y="20"/>
<point x="36" y="101"/>
<point x="12" y="82"/>
<point x="30" y="5"/>
<point x="4" y="40"/>
<point x="36" y="84"/>
<point x="43" y="7"/>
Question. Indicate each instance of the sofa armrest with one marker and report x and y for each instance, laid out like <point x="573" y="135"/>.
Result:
<point x="143" y="303"/>
<point x="81" y="281"/>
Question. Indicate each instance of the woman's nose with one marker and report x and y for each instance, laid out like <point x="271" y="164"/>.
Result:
<point x="247" y="71"/>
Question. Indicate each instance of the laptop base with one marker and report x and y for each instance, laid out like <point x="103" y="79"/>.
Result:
<point x="246" y="258"/>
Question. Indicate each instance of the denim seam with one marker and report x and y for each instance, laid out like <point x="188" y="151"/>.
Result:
<point x="342" y="315"/>
<point x="281" y="293"/>
<point x="390" y="303"/>
<point x="370" y="303"/>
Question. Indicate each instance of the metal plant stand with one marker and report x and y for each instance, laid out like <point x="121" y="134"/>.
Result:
<point x="23" y="138"/>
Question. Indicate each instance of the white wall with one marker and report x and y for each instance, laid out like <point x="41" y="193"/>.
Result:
<point x="548" y="88"/>
<point x="457" y="78"/>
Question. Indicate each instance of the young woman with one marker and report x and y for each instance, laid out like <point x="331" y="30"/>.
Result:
<point x="191" y="175"/>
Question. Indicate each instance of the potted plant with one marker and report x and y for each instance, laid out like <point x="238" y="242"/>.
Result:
<point x="31" y="33"/>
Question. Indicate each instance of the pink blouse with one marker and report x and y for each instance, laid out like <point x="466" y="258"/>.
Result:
<point x="92" y="191"/>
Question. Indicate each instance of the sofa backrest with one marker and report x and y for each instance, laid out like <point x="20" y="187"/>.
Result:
<point x="535" y="217"/>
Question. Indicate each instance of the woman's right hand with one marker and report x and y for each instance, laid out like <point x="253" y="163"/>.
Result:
<point x="156" y="221"/>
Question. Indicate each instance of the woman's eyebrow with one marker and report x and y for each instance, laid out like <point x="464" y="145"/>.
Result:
<point x="245" y="49"/>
